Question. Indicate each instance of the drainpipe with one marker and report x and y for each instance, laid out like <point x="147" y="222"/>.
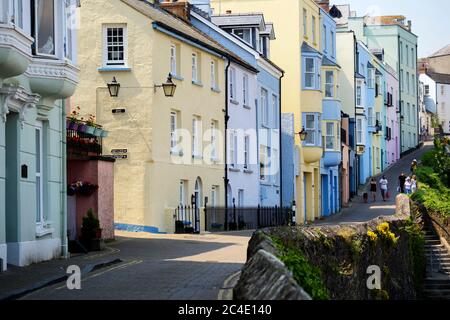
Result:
<point x="417" y="98"/>
<point x="356" y="173"/>
<point x="63" y="193"/>
<point x="280" y="153"/>
<point x="227" y="117"/>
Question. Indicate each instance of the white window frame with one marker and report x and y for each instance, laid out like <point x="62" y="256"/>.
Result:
<point x="194" y="60"/>
<point x="115" y="63"/>
<point x="232" y="159"/>
<point x="68" y="26"/>
<point x="370" y="117"/>
<point x="213" y="140"/>
<point x="173" y="60"/>
<point x="173" y="131"/>
<point x="407" y="55"/>
<point x="240" y="198"/>
<point x="305" y="23"/>
<point x="313" y="26"/>
<point x="359" y="95"/>
<point x="263" y="154"/>
<point x="427" y="89"/>
<point x="333" y="44"/>
<point x="214" y="193"/>
<point x="329" y="84"/>
<point x="213" y="75"/>
<point x="275" y="111"/>
<point x="245" y="92"/>
<point x="18" y="13"/>
<point x="40" y="217"/>
<point x="360" y="131"/>
<point x="196" y="137"/>
<point x="182" y="193"/>
<point x="312" y="131"/>
<point x="325" y="36"/>
<point x="55" y="43"/>
<point x="312" y="73"/>
<point x="246" y="151"/>
<point x="330" y="136"/>
<point x="371" y="78"/>
<point x="407" y="82"/>
<point x="264" y="107"/>
<point x="232" y="83"/>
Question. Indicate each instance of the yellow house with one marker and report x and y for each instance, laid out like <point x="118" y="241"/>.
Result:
<point x="298" y="32"/>
<point x="167" y="148"/>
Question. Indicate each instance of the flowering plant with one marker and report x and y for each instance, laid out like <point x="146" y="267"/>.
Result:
<point x="82" y="188"/>
<point x="74" y="115"/>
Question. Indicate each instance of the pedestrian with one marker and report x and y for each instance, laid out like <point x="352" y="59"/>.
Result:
<point x="413" y="184"/>
<point x="384" y="187"/>
<point x="408" y="185"/>
<point x="413" y="166"/>
<point x="401" y="183"/>
<point x="373" y="189"/>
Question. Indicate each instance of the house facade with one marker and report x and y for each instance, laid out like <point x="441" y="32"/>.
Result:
<point x="174" y="146"/>
<point x="331" y="118"/>
<point x="297" y="50"/>
<point x="251" y="34"/>
<point x="37" y="72"/>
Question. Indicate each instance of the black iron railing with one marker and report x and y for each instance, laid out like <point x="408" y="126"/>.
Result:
<point x="80" y="145"/>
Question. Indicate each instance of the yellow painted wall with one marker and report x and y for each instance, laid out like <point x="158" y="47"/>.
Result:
<point x="285" y="51"/>
<point x="147" y="183"/>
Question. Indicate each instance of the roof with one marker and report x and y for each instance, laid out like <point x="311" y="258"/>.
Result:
<point x="269" y="31"/>
<point x="327" y="62"/>
<point x="241" y="19"/>
<point x="439" y="77"/>
<point x="442" y="52"/>
<point x="307" y="48"/>
<point x="179" y="26"/>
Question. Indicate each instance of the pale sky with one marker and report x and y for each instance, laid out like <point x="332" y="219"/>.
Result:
<point x="430" y="18"/>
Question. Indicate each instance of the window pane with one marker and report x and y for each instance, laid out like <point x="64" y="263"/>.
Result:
<point x="309" y="65"/>
<point x="310" y="121"/>
<point x="45" y="22"/>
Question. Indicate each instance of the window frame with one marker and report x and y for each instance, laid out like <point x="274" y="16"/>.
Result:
<point x="39" y="174"/>
<point x="115" y="63"/>
<point x="246" y="151"/>
<point x="330" y="136"/>
<point x="35" y="30"/>
<point x="196" y="137"/>
<point x="274" y="108"/>
<point x="232" y="83"/>
<point x="360" y="137"/>
<point x="264" y="98"/>
<point x="214" y="139"/>
<point x="305" y="23"/>
<point x="312" y="131"/>
<point x="195" y="67"/>
<point x="249" y="30"/>
<point x="370" y="116"/>
<point x="173" y="59"/>
<point x="245" y="90"/>
<point x="312" y="73"/>
<point x="328" y="84"/>
<point x="173" y="126"/>
<point x="213" y="75"/>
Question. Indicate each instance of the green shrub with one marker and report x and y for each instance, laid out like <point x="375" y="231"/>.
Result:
<point x="90" y="226"/>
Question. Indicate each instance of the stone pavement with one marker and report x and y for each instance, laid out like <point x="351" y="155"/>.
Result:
<point x="181" y="267"/>
<point x="361" y="212"/>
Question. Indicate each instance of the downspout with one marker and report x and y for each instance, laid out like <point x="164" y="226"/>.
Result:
<point x="63" y="192"/>
<point x="227" y="117"/>
<point x="280" y="152"/>
<point x="400" y="96"/>
<point x="355" y="66"/>
<point x="417" y="98"/>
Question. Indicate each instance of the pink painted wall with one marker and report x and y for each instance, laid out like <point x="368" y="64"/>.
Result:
<point x="345" y="165"/>
<point x="393" y="146"/>
<point x="98" y="172"/>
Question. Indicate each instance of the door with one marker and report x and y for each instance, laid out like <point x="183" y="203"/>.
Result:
<point x="72" y="217"/>
<point x="198" y="196"/>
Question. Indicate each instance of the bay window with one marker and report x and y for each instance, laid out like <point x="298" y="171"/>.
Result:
<point x="311" y="129"/>
<point x="359" y="97"/>
<point x="360" y="138"/>
<point x="43" y="27"/>
<point x="310" y="73"/>
<point x="330" y="141"/>
<point x="329" y="84"/>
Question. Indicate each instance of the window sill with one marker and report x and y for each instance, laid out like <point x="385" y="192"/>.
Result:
<point x="234" y="169"/>
<point x="194" y="156"/>
<point x="177" y="77"/>
<point x="43" y="230"/>
<point x="265" y="183"/>
<point x="176" y="153"/>
<point x="247" y="107"/>
<point x="113" y="69"/>
<point x="248" y="171"/>
<point x="196" y="83"/>
<point x="216" y="90"/>
<point x="235" y="102"/>
<point x="265" y="126"/>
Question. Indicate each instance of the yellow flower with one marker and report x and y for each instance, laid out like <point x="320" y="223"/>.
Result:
<point x="383" y="227"/>
<point x="372" y="235"/>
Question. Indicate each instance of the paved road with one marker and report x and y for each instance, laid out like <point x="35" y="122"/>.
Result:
<point x="361" y="212"/>
<point x="161" y="267"/>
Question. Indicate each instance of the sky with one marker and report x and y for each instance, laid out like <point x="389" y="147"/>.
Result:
<point x="430" y="18"/>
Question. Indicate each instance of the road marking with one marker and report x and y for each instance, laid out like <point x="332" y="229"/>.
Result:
<point x="119" y="267"/>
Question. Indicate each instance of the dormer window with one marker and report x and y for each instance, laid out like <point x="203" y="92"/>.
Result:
<point x="43" y="22"/>
<point x="244" y="34"/>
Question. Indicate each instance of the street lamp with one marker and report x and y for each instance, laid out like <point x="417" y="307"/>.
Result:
<point x="169" y="87"/>
<point x="114" y="88"/>
<point x="303" y="134"/>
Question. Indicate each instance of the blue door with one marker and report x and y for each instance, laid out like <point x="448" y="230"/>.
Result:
<point x="325" y="196"/>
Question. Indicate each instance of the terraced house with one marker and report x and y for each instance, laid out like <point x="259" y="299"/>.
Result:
<point x="172" y="143"/>
<point x="37" y="72"/>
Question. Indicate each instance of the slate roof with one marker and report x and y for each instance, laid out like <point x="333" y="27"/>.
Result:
<point x="327" y="62"/>
<point x="269" y="31"/>
<point x="307" y="48"/>
<point x="442" y="52"/>
<point x="243" y="19"/>
<point x="173" y="23"/>
<point x="439" y="77"/>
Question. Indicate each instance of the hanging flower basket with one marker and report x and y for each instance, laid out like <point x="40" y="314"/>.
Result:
<point x="81" y="188"/>
<point x="90" y="130"/>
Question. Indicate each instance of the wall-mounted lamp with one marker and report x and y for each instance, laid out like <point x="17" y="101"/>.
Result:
<point x="114" y="88"/>
<point x="169" y="87"/>
<point x="303" y="134"/>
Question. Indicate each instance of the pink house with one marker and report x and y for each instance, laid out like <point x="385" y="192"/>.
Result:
<point x="392" y="116"/>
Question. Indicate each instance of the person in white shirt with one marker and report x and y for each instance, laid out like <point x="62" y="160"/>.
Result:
<point x="383" y="187"/>
<point x="413" y="184"/>
<point x="408" y="185"/>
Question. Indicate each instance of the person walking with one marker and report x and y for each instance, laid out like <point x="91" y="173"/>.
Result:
<point x="408" y="185"/>
<point x="401" y="182"/>
<point x="373" y="189"/>
<point x="384" y="187"/>
<point x="413" y="184"/>
<point x="413" y="166"/>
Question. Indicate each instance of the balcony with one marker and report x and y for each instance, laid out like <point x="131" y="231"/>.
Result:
<point x="312" y="154"/>
<point x="82" y="144"/>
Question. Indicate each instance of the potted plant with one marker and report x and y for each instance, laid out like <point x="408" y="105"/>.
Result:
<point x="91" y="232"/>
<point x="98" y="131"/>
<point x="91" y="125"/>
<point x="104" y="133"/>
<point x="73" y="121"/>
<point x="82" y="126"/>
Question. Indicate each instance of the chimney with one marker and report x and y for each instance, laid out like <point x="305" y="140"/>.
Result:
<point x="203" y="5"/>
<point x="409" y="25"/>
<point x="179" y="8"/>
<point x="325" y="4"/>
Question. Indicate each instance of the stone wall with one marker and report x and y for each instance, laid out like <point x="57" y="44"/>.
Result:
<point x="342" y="255"/>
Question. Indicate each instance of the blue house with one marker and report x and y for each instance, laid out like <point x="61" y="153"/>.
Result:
<point x="331" y="118"/>
<point x="248" y="36"/>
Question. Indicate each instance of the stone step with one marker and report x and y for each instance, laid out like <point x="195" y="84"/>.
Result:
<point x="434" y="242"/>
<point x="431" y="287"/>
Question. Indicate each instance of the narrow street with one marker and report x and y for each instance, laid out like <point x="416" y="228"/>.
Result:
<point x="360" y="212"/>
<point x="161" y="267"/>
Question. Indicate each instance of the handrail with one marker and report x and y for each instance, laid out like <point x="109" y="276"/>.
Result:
<point x="445" y="230"/>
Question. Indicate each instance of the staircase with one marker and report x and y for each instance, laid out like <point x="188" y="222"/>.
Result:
<point x="437" y="281"/>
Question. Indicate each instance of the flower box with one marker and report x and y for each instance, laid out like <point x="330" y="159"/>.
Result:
<point x="82" y="128"/>
<point x="72" y="125"/>
<point x="98" y="132"/>
<point x="90" y="130"/>
<point x="104" y="133"/>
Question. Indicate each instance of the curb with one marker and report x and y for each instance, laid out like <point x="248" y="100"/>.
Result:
<point x="226" y="292"/>
<point x="57" y="279"/>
